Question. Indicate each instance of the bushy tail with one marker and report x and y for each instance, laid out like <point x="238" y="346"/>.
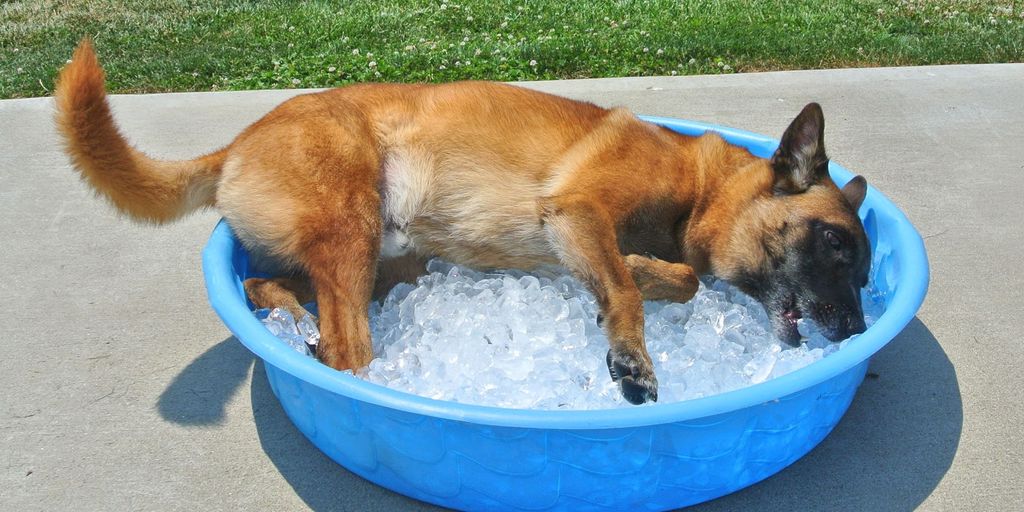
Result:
<point x="143" y="188"/>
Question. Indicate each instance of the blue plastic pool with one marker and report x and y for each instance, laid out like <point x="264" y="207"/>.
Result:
<point x="653" y="457"/>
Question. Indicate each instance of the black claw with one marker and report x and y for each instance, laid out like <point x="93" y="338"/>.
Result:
<point x="600" y="320"/>
<point x="611" y="367"/>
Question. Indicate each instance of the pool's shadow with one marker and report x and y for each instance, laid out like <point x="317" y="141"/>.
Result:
<point x="201" y="392"/>
<point x="889" y="452"/>
<point x="199" y="396"/>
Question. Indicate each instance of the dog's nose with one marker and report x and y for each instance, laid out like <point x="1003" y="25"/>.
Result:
<point x="855" y="325"/>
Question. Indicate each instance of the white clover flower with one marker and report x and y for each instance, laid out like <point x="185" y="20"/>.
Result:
<point x="355" y="51"/>
<point x="295" y="81"/>
<point x="372" y="64"/>
<point x="369" y="55"/>
<point x="661" y="51"/>
<point x="692" y="62"/>
<point x="442" y="67"/>
<point x="291" y="28"/>
<point x="332" y="69"/>
<point x="477" y="52"/>
<point x="504" y="24"/>
<point x="533" y="63"/>
<point x="646" y="49"/>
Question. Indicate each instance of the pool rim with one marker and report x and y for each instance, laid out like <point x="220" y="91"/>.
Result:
<point x="228" y="300"/>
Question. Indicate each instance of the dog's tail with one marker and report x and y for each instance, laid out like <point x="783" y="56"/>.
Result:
<point x="145" y="189"/>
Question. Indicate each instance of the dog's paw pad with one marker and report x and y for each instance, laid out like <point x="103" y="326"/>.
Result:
<point x="637" y="384"/>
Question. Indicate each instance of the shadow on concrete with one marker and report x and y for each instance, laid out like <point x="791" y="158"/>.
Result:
<point x="890" y="450"/>
<point x="200" y="393"/>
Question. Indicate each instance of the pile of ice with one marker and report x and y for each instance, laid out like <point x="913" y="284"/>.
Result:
<point x="517" y="340"/>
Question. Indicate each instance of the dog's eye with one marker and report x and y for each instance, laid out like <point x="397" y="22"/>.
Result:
<point x="833" y="240"/>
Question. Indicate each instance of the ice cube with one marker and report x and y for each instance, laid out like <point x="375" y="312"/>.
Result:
<point x="308" y="330"/>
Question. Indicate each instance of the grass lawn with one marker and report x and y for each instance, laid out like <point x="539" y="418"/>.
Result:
<point x="200" y="45"/>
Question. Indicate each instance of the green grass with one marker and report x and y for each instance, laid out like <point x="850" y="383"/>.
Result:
<point x="201" y="45"/>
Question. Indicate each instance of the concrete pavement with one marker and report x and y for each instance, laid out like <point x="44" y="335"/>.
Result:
<point x="123" y="391"/>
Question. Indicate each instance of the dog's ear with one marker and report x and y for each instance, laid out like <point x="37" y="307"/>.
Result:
<point x="800" y="160"/>
<point x="855" y="190"/>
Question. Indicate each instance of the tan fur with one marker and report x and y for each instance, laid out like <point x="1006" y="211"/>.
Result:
<point x="281" y="292"/>
<point x="482" y="174"/>
<point x="144" y="188"/>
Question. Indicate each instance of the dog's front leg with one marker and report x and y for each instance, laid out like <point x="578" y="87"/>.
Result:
<point x="661" y="280"/>
<point x="583" y="234"/>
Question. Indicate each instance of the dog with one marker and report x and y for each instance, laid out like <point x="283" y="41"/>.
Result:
<point x="351" y="190"/>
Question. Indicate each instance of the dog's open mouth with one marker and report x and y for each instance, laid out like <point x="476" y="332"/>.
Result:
<point x="786" y="325"/>
<point x="791" y="316"/>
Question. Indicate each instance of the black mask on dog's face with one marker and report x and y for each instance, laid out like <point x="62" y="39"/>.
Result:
<point x="802" y="251"/>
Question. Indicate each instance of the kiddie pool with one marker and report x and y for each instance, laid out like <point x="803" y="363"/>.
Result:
<point x="650" y="457"/>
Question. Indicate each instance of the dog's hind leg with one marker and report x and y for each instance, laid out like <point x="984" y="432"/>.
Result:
<point x="340" y="244"/>
<point x="291" y="293"/>
<point x="280" y="292"/>
<point x="343" y="267"/>
<point x="308" y="188"/>
<point x="661" y="280"/>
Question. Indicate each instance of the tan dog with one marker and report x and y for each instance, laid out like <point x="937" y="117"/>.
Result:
<point x="356" y="187"/>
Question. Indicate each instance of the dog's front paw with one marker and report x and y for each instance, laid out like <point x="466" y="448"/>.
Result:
<point x="635" y="376"/>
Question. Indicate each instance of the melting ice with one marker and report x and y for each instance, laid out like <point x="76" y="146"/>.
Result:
<point x="531" y="341"/>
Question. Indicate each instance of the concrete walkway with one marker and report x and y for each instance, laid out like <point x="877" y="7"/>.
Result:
<point x="123" y="391"/>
